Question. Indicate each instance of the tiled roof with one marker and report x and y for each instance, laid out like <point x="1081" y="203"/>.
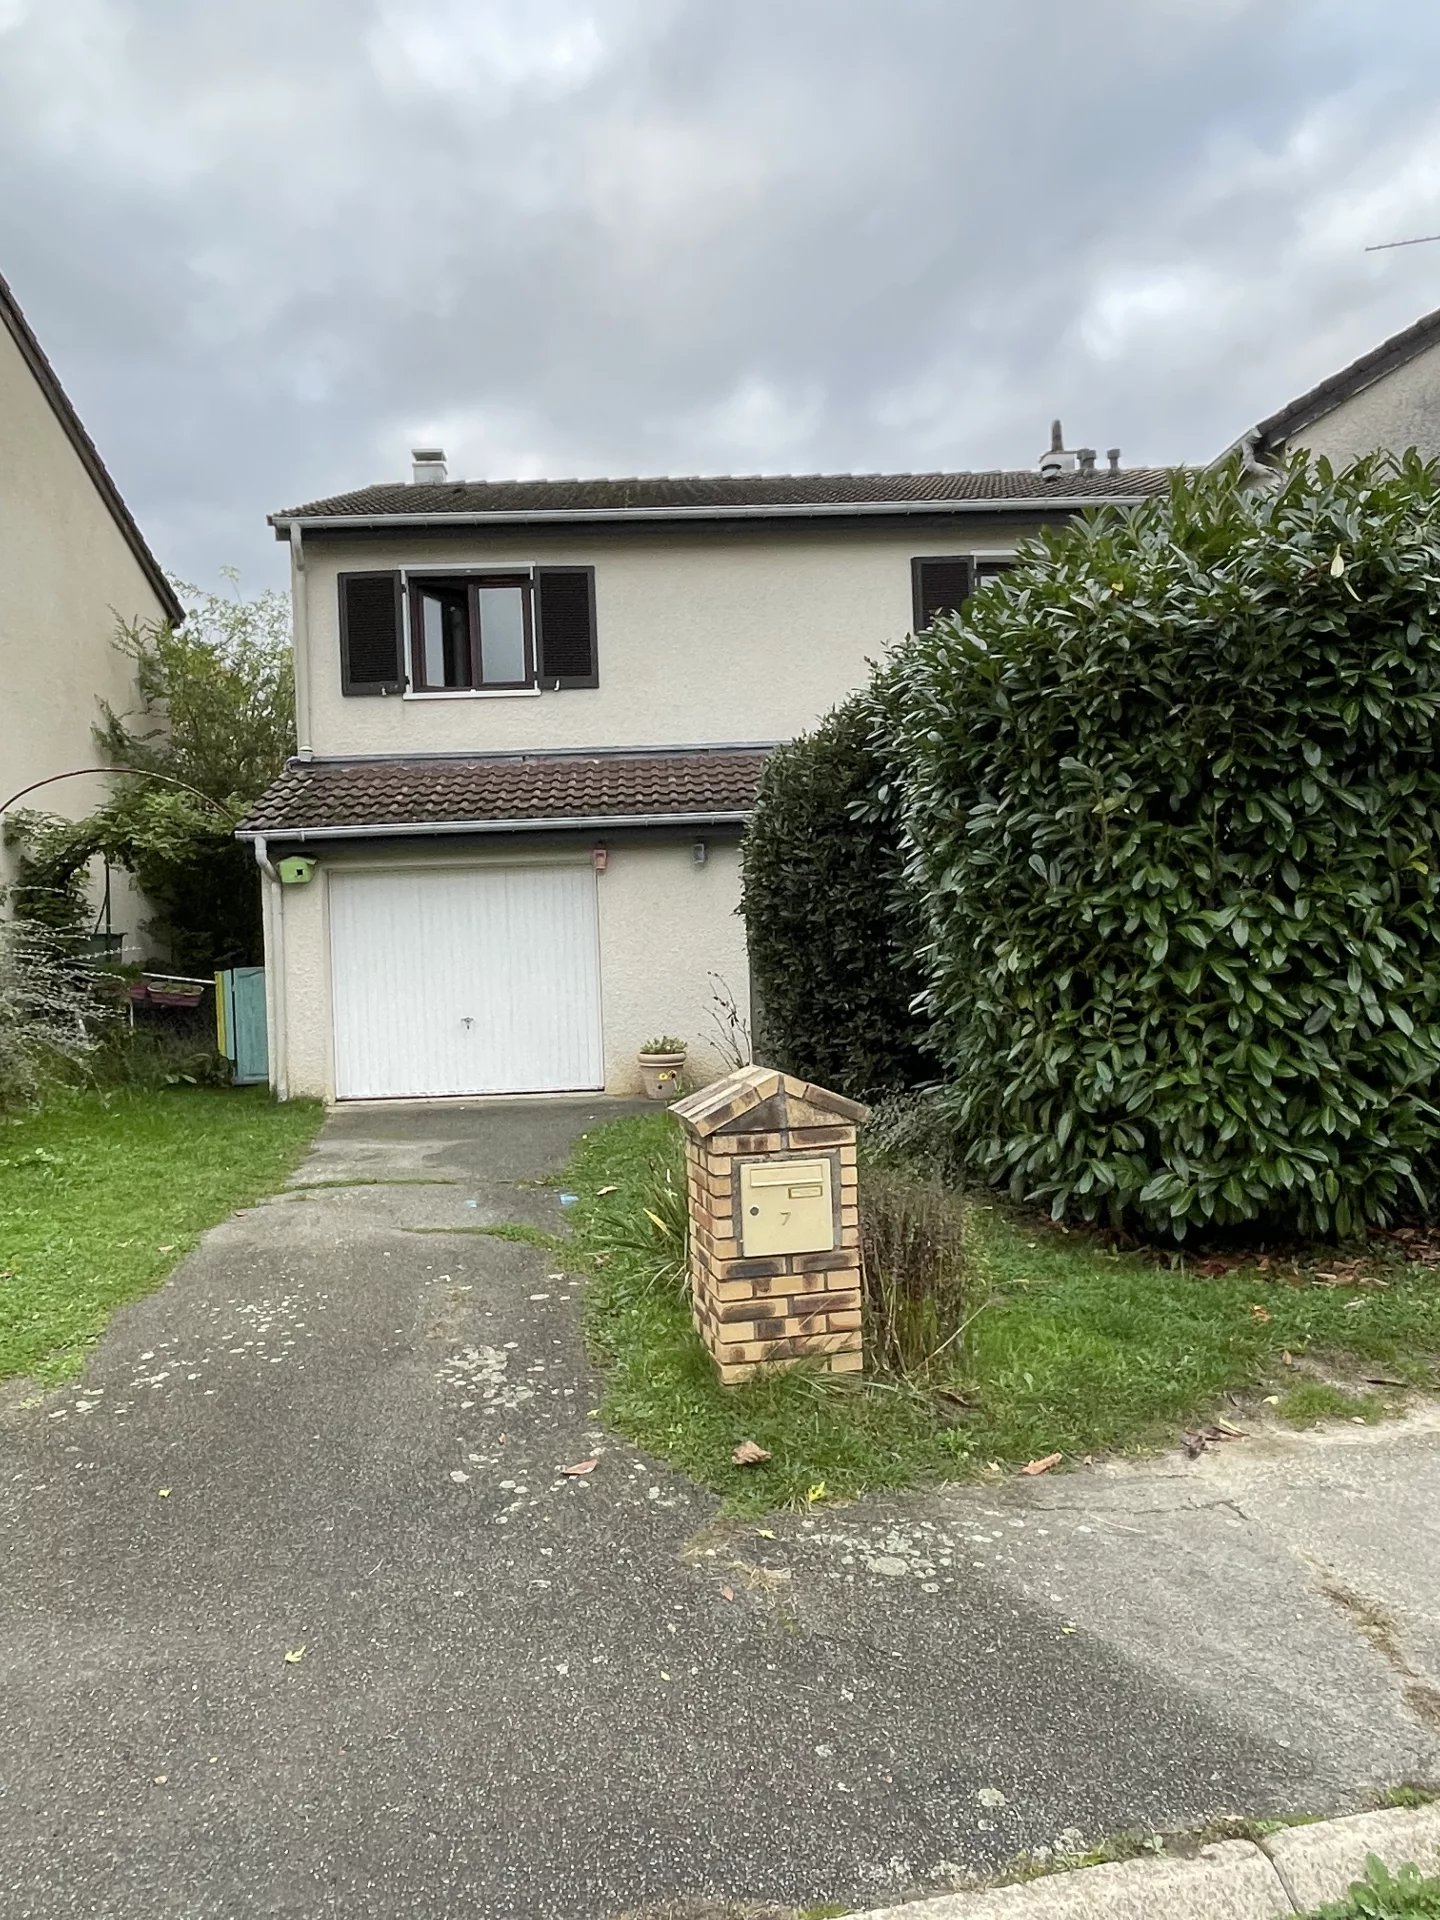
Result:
<point x="48" y="381"/>
<point x="730" y="493"/>
<point x="1338" y="387"/>
<point x="319" y="796"/>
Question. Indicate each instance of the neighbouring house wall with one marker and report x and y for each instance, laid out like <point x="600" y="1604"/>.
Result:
<point x="66" y="576"/>
<point x="666" y="925"/>
<point x="725" y="635"/>
<point x="1401" y="410"/>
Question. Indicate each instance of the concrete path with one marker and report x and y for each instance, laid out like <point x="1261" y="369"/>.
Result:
<point x="525" y="1694"/>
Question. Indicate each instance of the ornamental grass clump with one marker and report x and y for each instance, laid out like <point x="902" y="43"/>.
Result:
<point x="917" y="1293"/>
<point x="1173" y="795"/>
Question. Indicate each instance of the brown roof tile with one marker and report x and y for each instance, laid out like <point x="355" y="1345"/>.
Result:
<point x="319" y="796"/>
<point x="723" y="493"/>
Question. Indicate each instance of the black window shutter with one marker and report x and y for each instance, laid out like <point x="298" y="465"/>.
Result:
<point x="939" y="586"/>
<point x="371" y="634"/>
<point x="565" y="622"/>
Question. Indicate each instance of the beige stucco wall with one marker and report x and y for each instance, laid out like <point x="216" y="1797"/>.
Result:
<point x="66" y="573"/>
<point x="733" y="635"/>
<point x="1400" y="411"/>
<point x="665" y="926"/>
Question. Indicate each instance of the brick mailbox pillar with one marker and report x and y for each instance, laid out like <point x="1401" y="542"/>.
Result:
<point x="774" y="1222"/>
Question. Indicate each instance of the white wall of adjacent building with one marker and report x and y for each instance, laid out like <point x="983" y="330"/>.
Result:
<point x="67" y="575"/>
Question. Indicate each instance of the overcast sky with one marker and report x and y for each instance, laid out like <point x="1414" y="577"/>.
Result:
<point x="270" y="244"/>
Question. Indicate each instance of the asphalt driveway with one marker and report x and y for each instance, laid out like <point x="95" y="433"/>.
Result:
<point x="299" y="1614"/>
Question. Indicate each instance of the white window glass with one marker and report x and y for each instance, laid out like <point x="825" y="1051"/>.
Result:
<point x="502" y="636"/>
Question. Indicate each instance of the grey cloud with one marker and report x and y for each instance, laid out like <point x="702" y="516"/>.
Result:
<point x="265" y="243"/>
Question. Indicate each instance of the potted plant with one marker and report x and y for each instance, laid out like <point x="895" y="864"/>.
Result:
<point x="662" y="1061"/>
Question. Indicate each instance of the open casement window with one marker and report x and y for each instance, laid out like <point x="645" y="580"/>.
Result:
<point x="944" y="583"/>
<point x="471" y="634"/>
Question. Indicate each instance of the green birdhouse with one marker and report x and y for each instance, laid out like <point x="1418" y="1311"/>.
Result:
<point x="294" y="870"/>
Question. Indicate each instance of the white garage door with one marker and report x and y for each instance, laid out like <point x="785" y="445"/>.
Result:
<point x="465" y="980"/>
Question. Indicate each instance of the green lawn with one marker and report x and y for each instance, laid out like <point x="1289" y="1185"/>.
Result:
<point x="1076" y="1349"/>
<point x="102" y="1193"/>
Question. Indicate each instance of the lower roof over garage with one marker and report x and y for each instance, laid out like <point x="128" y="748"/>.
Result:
<point x="453" y="793"/>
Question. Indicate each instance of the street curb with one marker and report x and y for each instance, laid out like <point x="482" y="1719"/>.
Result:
<point x="1318" y="1863"/>
<point x="1290" y="1871"/>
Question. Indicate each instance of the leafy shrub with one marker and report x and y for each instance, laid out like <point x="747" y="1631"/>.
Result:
<point x="1174" y="798"/>
<point x="830" y="949"/>
<point x="917" y="1296"/>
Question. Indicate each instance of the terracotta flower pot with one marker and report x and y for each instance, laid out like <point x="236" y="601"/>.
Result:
<point x="662" y="1074"/>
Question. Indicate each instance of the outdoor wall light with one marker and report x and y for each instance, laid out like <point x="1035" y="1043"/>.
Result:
<point x="699" y="852"/>
<point x="598" y="858"/>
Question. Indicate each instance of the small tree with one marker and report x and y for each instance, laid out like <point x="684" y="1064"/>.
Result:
<point x="215" y="722"/>
<point x="1174" y="802"/>
<point x="831" y="950"/>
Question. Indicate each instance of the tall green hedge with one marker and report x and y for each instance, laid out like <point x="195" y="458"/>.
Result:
<point x="1174" y="798"/>
<point x="832" y="954"/>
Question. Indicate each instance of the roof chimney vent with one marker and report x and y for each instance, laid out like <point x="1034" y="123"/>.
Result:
<point x="1113" y="456"/>
<point x="1085" y="460"/>
<point x="1056" y="460"/>
<point x="429" y="468"/>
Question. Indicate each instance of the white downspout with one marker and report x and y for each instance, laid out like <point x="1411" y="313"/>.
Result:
<point x="272" y="910"/>
<point x="300" y="645"/>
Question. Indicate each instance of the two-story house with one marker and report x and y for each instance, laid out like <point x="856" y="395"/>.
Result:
<point x="73" y="565"/>
<point x="531" y="718"/>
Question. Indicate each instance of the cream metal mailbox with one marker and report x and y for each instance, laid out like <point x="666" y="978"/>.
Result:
<point x="785" y="1206"/>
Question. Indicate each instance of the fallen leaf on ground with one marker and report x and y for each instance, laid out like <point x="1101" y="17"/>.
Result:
<point x="727" y="1593"/>
<point x="1287" y="1359"/>
<point x="1259" y="1313"/>
<point x="294" y="1655"/>
<point x="765" y="1533"/>
<point x="601" y="1190"/>
<point x="817" y="1492"/>
<point x="1383" y="1380"/>
<point x="164" y="1493"/>
<point x="748" y="1454"/>
<point x="1043" y="1466"/>
<point x="1227" y="1432"/>
<point x="580" y="1466"/>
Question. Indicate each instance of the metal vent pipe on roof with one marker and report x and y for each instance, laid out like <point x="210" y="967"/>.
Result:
<point x="1055" y="459"/>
